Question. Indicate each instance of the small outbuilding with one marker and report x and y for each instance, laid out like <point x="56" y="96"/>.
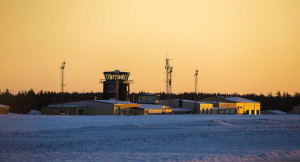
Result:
<point x="296" y="110"/>
<point x="4" y="109"/>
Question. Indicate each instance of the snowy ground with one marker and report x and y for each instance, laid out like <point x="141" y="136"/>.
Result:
<point x="150" y="138"/>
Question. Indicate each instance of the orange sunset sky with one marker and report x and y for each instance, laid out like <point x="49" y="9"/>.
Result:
<point x="243" y="46"/>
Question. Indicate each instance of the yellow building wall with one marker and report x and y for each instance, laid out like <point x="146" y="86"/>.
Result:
<point x="240" y="108"/>
<point x="4" y="110"/>
<point x="154" y="111"/>
<point x="257" y="108"/>
<point x="230" y="108"/>
<point x="243" y="108"/>
<point x="167" y="110"/>
<point x="248" y="107"/>
<point x="227" y="105"/>
<point x="205" y="108"/>
<point x="120" y="107"/>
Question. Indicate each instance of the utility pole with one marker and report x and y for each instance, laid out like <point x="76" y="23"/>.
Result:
<point x="62" y="67"/>
<point x="196" y="80"/>
<point x="117" y="72"/>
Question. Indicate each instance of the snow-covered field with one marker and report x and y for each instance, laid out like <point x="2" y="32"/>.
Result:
<point x="150" y="138"/>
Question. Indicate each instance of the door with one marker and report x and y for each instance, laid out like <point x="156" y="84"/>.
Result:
<point x="80" y="111"/>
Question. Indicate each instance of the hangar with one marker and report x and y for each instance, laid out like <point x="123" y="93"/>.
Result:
<point x="235" y="105"/>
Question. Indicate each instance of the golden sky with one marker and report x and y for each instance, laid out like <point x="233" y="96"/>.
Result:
<point x="243" y="46"/>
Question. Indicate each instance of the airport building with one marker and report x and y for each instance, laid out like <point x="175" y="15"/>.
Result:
<point x="116" y="90"/>
<point x="105" y="107"/>
<point x="234" y="105"/>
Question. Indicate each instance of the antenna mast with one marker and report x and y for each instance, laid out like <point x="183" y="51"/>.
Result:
<point x="62" y="67"/>
<point x="117" y="72"/>
<point x="169" y="70"/>
<point x="196" y="82"/>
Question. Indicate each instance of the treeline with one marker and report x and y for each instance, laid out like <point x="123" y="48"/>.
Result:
<point x="25" y="101"/>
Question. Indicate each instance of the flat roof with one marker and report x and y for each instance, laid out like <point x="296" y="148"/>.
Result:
<point x="3" y="106"/>
<point x="239" y="99"/>
<point x="114" y="102"/>
<point x="55" y="106"/>
<point x="150" y="95"/>
<point x="275" y="112"/>
<point x="151" y="106"/>
<point x="198" y="102"/>
<point x="114" y="72"/>
<point x="217" y="108"/>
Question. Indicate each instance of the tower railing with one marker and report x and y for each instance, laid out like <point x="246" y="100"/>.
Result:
<point x="113" y="81"/>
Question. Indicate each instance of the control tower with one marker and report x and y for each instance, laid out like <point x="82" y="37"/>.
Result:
<point x="116" y="85"/>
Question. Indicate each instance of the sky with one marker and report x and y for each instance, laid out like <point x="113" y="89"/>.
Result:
<point x="243" y="46"/>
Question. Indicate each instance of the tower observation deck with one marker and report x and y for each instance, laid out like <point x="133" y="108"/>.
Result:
<point x="116" y="85"/>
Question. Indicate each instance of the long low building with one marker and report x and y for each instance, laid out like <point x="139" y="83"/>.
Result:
<point x="104" y="107"/>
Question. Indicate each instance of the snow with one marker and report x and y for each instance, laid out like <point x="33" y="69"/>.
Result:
<point x="3" y="106"/>
<point x="217" y="108"/>
<point x="239" y="99"/>
<point x="150" y="138"/>
<point x="276" y="112"/>
<point x="114" y="101"/>
<point x="151" y="106"/>
<point x="34" y="112"/>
